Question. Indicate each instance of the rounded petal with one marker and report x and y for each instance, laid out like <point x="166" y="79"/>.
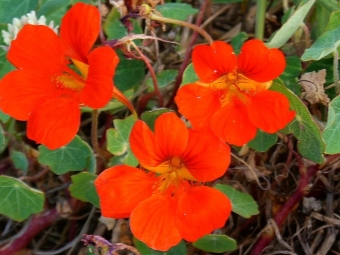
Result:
<point x="37" y="48"/>
<point x="171" y="136"/>
<point x="79" y="30"/>
<point x="206" y="156"/>
<point x="142" y="144"/>
<point x="269" y="111"/>
<point x="260" y="63"/>
<point x="232" y="124"/>
<point x="21" y="91"/>
<point x="200" y="211"/>
<point x="121" y="189"/>
<point x="153" y="222"/>
<point x="54" y="123"/>
<point x="99" y="85"/>
<point x="213" y="61"/>
<point x="197" y="103"/>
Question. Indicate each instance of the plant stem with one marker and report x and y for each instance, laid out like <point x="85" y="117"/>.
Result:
<point x="94" y="131"/>
<point x="261" y="6"/>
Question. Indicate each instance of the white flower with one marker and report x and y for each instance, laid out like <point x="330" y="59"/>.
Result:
<point x="18" y="24"/>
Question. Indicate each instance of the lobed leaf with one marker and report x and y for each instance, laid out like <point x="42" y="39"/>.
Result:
<point x="263" y="141"/>
<point x="242" y="204"/>
<point x="19" y="201"/>
<point x="179" y="11"/>
<point x="215" y="243"/>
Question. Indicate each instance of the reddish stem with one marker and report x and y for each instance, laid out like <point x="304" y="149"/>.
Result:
<point x="186" y="60"/>
<point x="282" y="215"/>
<point x="37" y="225"/>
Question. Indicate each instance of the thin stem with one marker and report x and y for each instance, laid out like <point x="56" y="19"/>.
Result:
<point x="307" y="35"/>
<point x="94" y="131"/>
<point x="260" y="18"/>
<point x="152" y="73"/>
<point x="336" y="71"/>
<point x="196" y="28"/>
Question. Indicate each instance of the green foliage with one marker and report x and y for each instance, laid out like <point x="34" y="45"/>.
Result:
<point x="51" y="7"/>
<point x="18" y="201"/>
<point x="226" y="1"/>
<point x="189" y="75"/>
<point x="123" y="78"/>
<point x="15" y="9"/>
<point x="75" y="156"/>
<point x="331" y="132"/>
<point x="237" y="41"/>
<point x="292" y="71"/>
<point x="263" y="141"/>
<point x="150" y="117"/>
<point x="328" y="42"/>
<point x="177" y="11"/>
<point x="242" y="204"/>
<point x="164" y="79"/>
<point x="82" y="188"/>
<point x="5" y="66"/>
<point x="310" y="145"/>
<point x="113" y="27"/>
<point x="4" y="118"/>
<point x="3" y="139"/>
<point x="118" y="141"/>
<point x="19" y="160"/>
<point x="288" y="28"/>
<point x="215" y="243"/>
<point x="179" y="249"/>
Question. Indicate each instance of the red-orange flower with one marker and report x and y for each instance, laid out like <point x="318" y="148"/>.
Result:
<point x="169" y="202"/>
<point x="232" y="96"/>
<point x="45" y="90"/>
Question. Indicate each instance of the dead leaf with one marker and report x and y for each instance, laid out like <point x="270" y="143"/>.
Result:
<point x="313" y="85"/>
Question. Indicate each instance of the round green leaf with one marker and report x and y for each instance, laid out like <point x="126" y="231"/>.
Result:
<point x="179" y="249"/>
<point x="179" y="11"/>
<point x="242" y="204"/>
<point x="74" y="156"/>
<point x="164" y="79"/>
<point x="18" y="201"/>
<point x="331" y="132"/>
<point x="82" y="188"/>
<point x="150" y="117"/>
<point x="310" y="145"/>
<point x="189" y="75"/>
<point x="19" y="160"/>
<point x="263" y="141"/>
<point x="292" y="71"/>
<point x="215" y="243"/>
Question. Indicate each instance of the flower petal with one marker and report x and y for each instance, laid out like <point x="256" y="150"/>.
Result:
<point x="22" y="91"/>
<point x="54" y="123"/>
<point x="200" y="211"/>
<point x="142" y="144"/>
<point x="99" y="85"/>
<point x="171" y="136"/>
<point x="232" y="124"/>
<point x="79" y="30"/>
<point x="206" y="156"/>
<point x="269" y="111"/>
<point x="153" y="222"/>
<point x="260" y="63"/>
<point x="37" y="48"/>
<point x="213" y="61"/>
<point x="121" y="189"/>
<point x="197" y="103"/>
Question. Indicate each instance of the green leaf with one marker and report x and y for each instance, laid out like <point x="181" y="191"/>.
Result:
<point x="51" y="6"/>
<point x="310" y="145"/>
<point x="82" y="188"/>
<point x="242" y="204"/>
<point x="238" y="40"/>
<point x="215" y="243"/>
<point x="292" y="71"/>
<point x="189" y="75"/>
<point x="15" y="9"/>
<point x="289" y="28"/>
<point x="5" y="65"/>
<point x="164" y="79"/>
<point x="150" y="117"/>
<point x="118" y="137"/>
<point x="328" y="42"/>
<point x="226" y="1"/>
<point x="4" y="118"/>
<point x="126" y="159"/>
<point x="18" y="201"/>
<point x="113" y="27"/>
<point x="179" y="249"/>
<point x="3" y="140"/>
<point x="71" y="157"/>
<point x="263" y="141"/>
<point x="332" y="130"/>
<point x="123" y="78"/>
<point x="177" y="11"/>
<point x="19" y="160"/>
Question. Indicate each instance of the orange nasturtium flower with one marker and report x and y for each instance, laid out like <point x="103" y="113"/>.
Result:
<point x="232" y="95"/>
<point x="169" y="202"/>
<point x="45" y="90"/>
